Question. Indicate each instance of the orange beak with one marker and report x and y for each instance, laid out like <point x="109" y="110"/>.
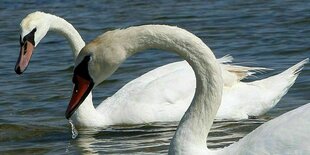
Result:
<point x="81" y="90"/>
<point x="25" y="54"/>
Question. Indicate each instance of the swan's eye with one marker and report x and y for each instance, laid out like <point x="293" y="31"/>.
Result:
<point x="76" y="88"/>
<point x="76" y="84"/>
<point x="81" y="69"/>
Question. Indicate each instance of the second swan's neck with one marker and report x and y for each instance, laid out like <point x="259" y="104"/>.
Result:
<point x="63" y="27"/>
<point x="198" y="119"/>
<point x="86" y="114"/>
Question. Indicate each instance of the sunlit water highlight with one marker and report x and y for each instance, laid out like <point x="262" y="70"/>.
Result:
<point x="73" y="129"/>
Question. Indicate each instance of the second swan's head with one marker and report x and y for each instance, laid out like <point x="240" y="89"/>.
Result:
<point x="32" y="29"/>
<point x="96" y="62"/>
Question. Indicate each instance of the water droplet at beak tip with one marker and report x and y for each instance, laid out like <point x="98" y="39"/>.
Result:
<point x="73" y="129"/>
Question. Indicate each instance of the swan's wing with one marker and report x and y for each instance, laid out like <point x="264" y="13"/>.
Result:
<point x="256" y="98"/>
<point x="242" y="72"/>
<point x="225" y="59"/>
<point x="273" y="88"/>
<point x="286" y="134"/>
<point x="232" y="74"/>
<point x="162" y="94"/>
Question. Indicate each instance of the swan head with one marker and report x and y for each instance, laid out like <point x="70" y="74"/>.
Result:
<point x="96" y="62"/>
<point x="32" y="29"/>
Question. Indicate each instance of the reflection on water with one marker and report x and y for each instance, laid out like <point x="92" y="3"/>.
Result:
<point x="155" y="138"/>
<point x="130" y="139"/>
<point x="32" y="106"/>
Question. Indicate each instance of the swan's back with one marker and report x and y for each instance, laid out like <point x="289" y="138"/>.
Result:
<point x="286" y="134"/>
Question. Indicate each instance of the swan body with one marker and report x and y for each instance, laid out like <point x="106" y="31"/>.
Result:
<point x="154" y="97"/>
<point x="238" y="101"/>
<point x="286" y="134"/>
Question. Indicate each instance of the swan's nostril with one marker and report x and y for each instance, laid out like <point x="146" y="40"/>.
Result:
<point x="18" y="70"/>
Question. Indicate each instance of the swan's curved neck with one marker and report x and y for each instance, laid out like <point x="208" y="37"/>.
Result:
<point x="86" y="114"/>
<point x="198" y="119"/>
<point x="63" y="27"/>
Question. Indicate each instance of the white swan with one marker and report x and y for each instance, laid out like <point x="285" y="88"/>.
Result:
<point x="286" y="134"/>
<point x="158" y="87"/>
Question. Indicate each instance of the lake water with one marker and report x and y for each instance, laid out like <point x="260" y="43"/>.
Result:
<point x="274" y="34"/>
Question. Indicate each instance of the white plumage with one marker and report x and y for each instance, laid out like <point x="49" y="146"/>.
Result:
<point x="164" y="93"/>
<point x="286" y="134"/>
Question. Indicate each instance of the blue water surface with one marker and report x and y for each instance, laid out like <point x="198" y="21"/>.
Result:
<point x="273" y="34"/>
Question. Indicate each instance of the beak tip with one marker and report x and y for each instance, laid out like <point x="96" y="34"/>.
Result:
<point x="18" y="70"/>
<point x="68" y="115"/>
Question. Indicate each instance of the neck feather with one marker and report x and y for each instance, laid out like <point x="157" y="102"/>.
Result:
<point x="63" y="27"/>
<point x="198" y="119"/>
<point x="87" y="116"/>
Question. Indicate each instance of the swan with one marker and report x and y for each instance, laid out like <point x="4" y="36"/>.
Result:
<point x="157" y="87"/>
<point x="100" y="58"/>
